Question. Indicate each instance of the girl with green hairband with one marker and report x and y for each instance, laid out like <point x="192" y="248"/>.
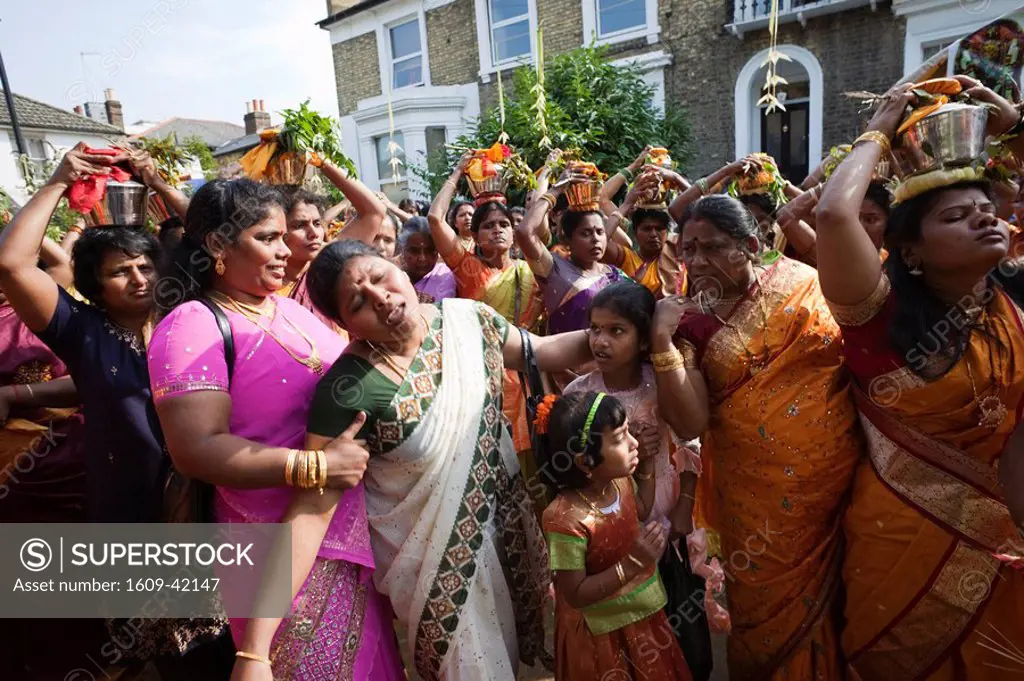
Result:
<point x="609" y="598"/>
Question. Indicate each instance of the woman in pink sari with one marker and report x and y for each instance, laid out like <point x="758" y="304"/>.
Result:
<point x="237" y="426"/>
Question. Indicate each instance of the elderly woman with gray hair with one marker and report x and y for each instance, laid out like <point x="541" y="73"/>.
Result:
<point x="431" y="278"/>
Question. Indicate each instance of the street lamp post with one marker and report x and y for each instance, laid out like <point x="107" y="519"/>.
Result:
<point x="9" y="96"/>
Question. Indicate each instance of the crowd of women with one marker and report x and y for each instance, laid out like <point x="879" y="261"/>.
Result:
<point x="817" y="385"/>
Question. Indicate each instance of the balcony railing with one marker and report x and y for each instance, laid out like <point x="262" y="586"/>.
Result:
<point x="750" y="15"/>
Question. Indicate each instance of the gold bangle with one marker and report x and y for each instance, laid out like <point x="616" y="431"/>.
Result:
<point x="878" y="138"/>
<point x="254" y="657"/>
<point x="300" y="474"/>
<point x="702" y="185"/>
<point x="620" y="573"/>
<point x="619" y="217"/>
<point x="321" y="456"/>
<point x="665" y="368"/>
<point x="311" y="469"/>
<point x="77" y="229"/>
<point x="666" y="356"/>
<point x="548" y="198"/>
<point x="31" y="393"/>
<point x="636" y="561"/>
<point x="643" y="476"/>
<point x="289" y="468"/>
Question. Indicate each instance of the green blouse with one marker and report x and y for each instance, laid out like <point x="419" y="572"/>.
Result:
<point x="351" y="385"/>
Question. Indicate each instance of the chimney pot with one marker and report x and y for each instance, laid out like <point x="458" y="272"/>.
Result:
<point x="79" y="110"/>
<point x="248" y="107"/>
<point x="261" y="106"/>
<point x="108" y="94"/>
<point x="255" y="104"/>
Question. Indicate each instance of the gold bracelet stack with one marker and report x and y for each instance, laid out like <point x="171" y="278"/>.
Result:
<point x="620" y="573"/>
<point x="702" y="185"/>
<point x="669" y="360"/>
<point x="878" y="138"/>
<point x="311" y="472"/>
<point x="548" y="198"/>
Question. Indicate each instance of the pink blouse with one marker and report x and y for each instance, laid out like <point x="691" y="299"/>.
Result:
<point x="270" y="397"/>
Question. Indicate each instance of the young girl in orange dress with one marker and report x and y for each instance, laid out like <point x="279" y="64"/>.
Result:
<point x="609" y="598"/>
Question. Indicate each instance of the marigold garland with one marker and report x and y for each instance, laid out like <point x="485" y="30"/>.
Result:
<point x="540" y="422"/>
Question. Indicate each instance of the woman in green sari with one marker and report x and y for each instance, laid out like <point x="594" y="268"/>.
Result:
<point x="457" y="546"/>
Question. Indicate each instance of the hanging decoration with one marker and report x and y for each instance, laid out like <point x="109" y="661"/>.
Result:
<point x="503" y="137"/>
<point x="772" y="78"/>
<point x="540" y="104"/>
<point x="394" y="160"/>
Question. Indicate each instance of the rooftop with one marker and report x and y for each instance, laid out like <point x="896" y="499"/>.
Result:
<point x="214" y="133"/>
<point x="243" y="143"/>
<point x="36" y="115"/>
<point x="347" y="9"/>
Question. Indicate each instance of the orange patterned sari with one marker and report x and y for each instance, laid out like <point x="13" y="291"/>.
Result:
<point x="778" y="457"/>
<point x="926" y="598"/>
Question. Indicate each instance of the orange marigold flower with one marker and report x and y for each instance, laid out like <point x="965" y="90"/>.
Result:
<point x="544" y="413"/>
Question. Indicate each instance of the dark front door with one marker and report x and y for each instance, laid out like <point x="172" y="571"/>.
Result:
<point x="784" y="138"/>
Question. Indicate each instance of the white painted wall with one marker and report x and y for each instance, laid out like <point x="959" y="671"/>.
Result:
<point x="936" y="21"/>
<point x="414" y="110"/>
<point x="10" y="176"/>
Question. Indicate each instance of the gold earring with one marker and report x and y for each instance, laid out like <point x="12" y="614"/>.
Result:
<point x="218" y="266"/>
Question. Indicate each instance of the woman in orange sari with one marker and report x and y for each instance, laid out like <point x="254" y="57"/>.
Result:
<point x="935" y="342"/>
<point x="759" y="353"/>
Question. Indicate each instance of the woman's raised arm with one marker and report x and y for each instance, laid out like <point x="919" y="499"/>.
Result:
<point x="371" y="211"/>
<point x="31" y="292"/>
<point x="445" y="238"/>
<point x="848" y="264"/>
<point x="682" y="393"/>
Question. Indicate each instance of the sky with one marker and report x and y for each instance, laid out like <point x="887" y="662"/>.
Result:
<point x="164" y="58"/>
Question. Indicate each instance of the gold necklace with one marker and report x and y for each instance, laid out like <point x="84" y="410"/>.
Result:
<point x="388" y="356"/>
<point x="590" y="503"/>
<point x="993" y="411"/>
<point x="756" y="362"/>
<point x="254" y="314"/>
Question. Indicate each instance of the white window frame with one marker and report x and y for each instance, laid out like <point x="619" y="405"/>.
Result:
<point x="392" y="62"/>
<point x="485" y="31"/>
<point x="387" y="72"/>
<point x="650" y="31"/>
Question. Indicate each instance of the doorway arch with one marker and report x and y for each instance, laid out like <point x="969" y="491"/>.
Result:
<point x="748" y="115"/>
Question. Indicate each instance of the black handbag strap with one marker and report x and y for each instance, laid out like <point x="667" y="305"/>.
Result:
<point x="225" y="332"/>
<point x="530" y="375"/>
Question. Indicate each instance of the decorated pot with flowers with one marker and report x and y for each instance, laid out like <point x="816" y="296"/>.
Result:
<point x="492" y="171"/>
<point x="584" y="196"/>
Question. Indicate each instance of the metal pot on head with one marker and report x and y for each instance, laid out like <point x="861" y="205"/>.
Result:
<point x="952" y="137"/>
<point x="123" y="204"/>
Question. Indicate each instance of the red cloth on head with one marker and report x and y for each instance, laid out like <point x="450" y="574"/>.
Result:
<point x="89" y="190"/>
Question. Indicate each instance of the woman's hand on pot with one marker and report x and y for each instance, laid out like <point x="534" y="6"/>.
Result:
<point x="77" y="163"/>
<point x="890" y="112"/>
<point x="1003" y="116"/>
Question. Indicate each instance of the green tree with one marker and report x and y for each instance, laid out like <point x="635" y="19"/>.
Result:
<point x="197" y="148"/>
<point x="605" y="111"/>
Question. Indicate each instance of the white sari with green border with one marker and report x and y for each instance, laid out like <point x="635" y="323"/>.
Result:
<point x="457" y="546"/>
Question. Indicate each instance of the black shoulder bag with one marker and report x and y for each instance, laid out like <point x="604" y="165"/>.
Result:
<point x="187" y="500"/>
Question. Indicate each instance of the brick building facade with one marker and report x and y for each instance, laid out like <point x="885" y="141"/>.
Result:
<point x="436" y="62"/>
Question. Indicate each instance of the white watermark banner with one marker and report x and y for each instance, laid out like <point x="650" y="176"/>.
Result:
<point x="144" y="570"/>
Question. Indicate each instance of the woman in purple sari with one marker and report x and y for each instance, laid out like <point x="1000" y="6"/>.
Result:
<point x="237" y="427"/>
<point x="567" y="284"/>
<point x="431" y="278"/>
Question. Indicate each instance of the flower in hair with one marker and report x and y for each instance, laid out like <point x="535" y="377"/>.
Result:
<point x="540" y="423"/>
